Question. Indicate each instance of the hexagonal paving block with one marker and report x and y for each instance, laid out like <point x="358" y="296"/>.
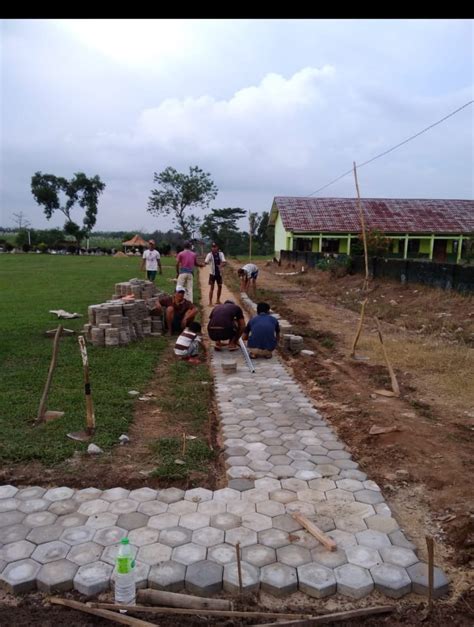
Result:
<point x="189" y="553"/>
<point x="50" y="551"/>
<point x="17" y="551"/>
<point x="267" y="483"/>
<point x="369" y="496"/>
<point x="72" y="520"/>
<point x="240" y="508"/>
<point x="270" y="508"/>
<point x="391" y="580"/>
<point x="38" y="519"/>
<point x="87" y="494"/>
<point x="258" y="555"/>
<point x="316" y="580"/>
<point x="167" y="575"/>
<point x="241" y="485"/>
<point x="293" y="555"/>
<point x="182" y="507"/>
<point x="91" y="579"/>
<point x="132" y="520"/>
<point x="170" y="495"/>
<point x="213" y="507"/>
<point x="48" y="533"/>
<point x="194" y="521"/>
<point x="286" y="523"/>
<point x="398" y="538"/>
<point x="143" y="495"/>
<point x="30" y="506"/>
<point x="241" y="535"/>
<point x="95" y="506"/>
<point x="363" y="556"/>
<point x="250" y="577"/>
<point x="7" y="491"/>
<point x="163" y="521"/>
<point x="56" y="576"/>
<point x="20" y="576"/>
<point x="62" y="508"/>
<point x="278" y="579"/>
<point x="418" y="574"/>
<point x="256" y="522"/>
<point x="222" y="554"/>
<point x="152" y="508"/>
<point x="100" y="521"/>
<point x="85" y="553"/>
<point x="374" y="539"/>
<point x="399" y="556"/>
<point x="115" y="494"/>
<point x="77" y="535"/>
<point x="385" y="524"/>
<point x="226" y="494"/>
<point x="13" y="533"/>
<point x="109" y="535"/>
<point x="208" y="536"/>
<point x="58" y="494"/>
<point x="33" y="492"/>
<point x="123" y="506"/>
<point x="204" y="578"/>
<point x="198" y="495"/>
<point x="143" y="536"/>
<point x="353" y="581"/>
<point x="153" y="553"/>
<point x="7" y="505"/>
<point x="175" y="536"/>
<point x="330" y="559"/>
<point x="225" y="521"/>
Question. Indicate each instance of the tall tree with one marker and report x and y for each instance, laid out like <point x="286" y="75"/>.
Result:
<point x="57" y="193"/>
<point x="264" y="234"/>
<point x="178" y="193"/>
<point x="220" y="226"/>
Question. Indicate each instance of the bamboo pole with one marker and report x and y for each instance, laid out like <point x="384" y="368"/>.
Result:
<point x="393" y="378"/>
<point x="90" y="415"/>
<point x="186" y="601"/>
<point x="239" y="566"/>
<point x="359" y="328"/>
<point x="332" y="618"/>
<point x="49" y="378"/>
<point x="362" y="223"/>
<point x="430" y="547"/>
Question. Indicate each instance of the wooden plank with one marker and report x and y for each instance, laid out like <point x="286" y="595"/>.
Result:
<point x="314" y="530"/>
<point x="113" y="616"/>
<point x="174" y="599"/>
<point x="393" y="378"/>
<point x="332" y="618"/>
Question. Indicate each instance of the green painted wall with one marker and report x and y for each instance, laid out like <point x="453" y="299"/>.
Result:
<point x="424" y="246"/>
<point x="281" y="242"/>
<point x="315" y="245"/>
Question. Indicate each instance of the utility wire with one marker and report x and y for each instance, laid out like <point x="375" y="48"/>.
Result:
<point x="382" y="154"/>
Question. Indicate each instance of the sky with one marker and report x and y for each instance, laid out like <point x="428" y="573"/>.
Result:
<point x="269" y="107"/>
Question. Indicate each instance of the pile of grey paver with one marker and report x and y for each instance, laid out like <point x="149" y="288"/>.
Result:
<point x="119" y="321"/>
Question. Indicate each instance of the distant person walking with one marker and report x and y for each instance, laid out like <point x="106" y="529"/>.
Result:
<point x="217" y="260"/>
<point x="186" y="261"/>
<point x="248" y="278"/>
<point x="151" y="261"/>
<point x="226" y="322"/>
<point x="262" y="333"/>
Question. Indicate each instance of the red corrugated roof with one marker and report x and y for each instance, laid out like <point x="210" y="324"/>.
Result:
<point x="389" y="215"/>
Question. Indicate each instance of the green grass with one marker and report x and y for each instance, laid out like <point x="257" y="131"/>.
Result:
<point x="196" y="457"/>
<point x="31" y="285"/>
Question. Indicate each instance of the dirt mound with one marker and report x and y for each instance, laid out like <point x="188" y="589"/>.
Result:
<point x="120" y="254"/>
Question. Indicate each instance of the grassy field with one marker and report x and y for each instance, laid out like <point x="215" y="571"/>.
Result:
<point x="32" y="285"/>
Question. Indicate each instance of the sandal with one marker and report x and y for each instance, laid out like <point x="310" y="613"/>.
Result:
<point x="233" y="348"/>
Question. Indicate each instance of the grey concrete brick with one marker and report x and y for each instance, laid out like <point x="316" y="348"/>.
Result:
<point x="243" y="535"/>
<point x="72" y="520"/>
<point x="91" y="579"/>
<point x="175" y="536"/>
<point x="374" y="539"/>
<point x="7" y="491"/>
<point x="152" y="508"/>
<point x="62" y="508"/>
<point x="20" y="576"/>
<point x="293" y="555"/>
<point x="13" y="533"/>
<point x="163" y="521"/>
<point x="329" y="559"/>
<point x="100" y="521"/>
<point x="398" y="538"/>
<point x="278" y="579"/>
<point x="77" y="535"/>
<point x="250" y="577"/>
<point x="143" y="536"/>
<point x="30" y="506"/>
<point x="363" y="556"/>
<point x="222" y="553"/>
<point x="94" y="506"/>
<point x="56" y="576"/>
<point x="15" y="551"/>
<point x="353" y="581"/>
<point x="85" y="553"/>
<point x="208" y="536"/>
<point x="286" y="523"/>
<point x="33" y="492"/>
<point x="385" y="524"/>
<point x="225" y="521"/>
<point x="59" y="494"/>
<point x="204" y="578"/>
<point x="189" y="553"/>
<point x="50" y="552"/>
<point x="418" y="574"/>
<point x="316" y="580"/>
<point x="153" y="553"/>
<point x="115" y="494"/>
<point x="369" y="496"/>
<point x="38" y="519"/>
<point x="391" y="580"/>
<point x="132" y="520"/>
<point x="258" y="555"/>
<point x="142" y="495"/>
<point x="399" y="556"/>
<point x="167" y="575"/>
<point x="109" y="535"/>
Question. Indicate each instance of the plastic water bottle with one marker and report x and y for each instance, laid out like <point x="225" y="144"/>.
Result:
<point x="125" y="590"/>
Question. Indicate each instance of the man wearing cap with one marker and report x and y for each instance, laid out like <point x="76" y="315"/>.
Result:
<point x="151" y="258"/>
<point x="179" y="312"/>
<point x="186" y="260"/>
<point x="226" y="322"/>
<point x="217" y="260"/>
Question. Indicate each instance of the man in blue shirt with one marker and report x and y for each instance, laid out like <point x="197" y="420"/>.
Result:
<point x="262" y="333"/>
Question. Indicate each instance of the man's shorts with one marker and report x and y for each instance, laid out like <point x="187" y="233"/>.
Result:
<point x="215" y="279"/>
<point x="151" y="275"/>
<point x="219" y="334"/>
<point x="254" y="275"/>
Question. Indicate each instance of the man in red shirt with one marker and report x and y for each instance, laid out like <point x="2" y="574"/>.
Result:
<point x="186" y="260"/>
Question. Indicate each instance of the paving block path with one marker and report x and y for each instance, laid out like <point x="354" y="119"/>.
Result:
<point x="281" y="457"/>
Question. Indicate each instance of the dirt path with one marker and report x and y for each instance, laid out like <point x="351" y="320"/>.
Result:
<point x="425" y="465"/>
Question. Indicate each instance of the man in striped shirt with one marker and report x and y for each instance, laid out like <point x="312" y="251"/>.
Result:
<point x="187" y="344"/>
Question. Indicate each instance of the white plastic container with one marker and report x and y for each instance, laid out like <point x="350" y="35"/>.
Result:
<point x="125" y="589"/>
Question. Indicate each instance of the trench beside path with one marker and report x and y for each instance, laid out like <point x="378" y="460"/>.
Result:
<point x="281" y="457"/>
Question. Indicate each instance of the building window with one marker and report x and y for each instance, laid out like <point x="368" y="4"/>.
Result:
<point x="330" y="246"/>
<point x="302" y="244"/>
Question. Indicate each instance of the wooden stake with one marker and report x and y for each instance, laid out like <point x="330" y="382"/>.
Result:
<point x="184" y="444"/>
<point x="332" y="618"/>
<point x="362" y="224"/>
<point x="315" y="531"/>
<point x="430" y="547"/>
<point x="359" y="328"/>
<point x="90" y="416"/>
<point x="393" y="378"/>
<point x="178" y="610"/>
<point x="113" y="616"/>
<point x="187" y="601"/>
<point x="239" y="566"/>
<point x="49" y="378"/>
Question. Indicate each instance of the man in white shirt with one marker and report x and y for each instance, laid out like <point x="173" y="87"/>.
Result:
<point x="217" y="260"/>
<point x="151" y="260"/>
<point x="248" y="278"/>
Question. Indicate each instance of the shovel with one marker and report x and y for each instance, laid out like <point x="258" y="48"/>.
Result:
<point x="84" y="436"/>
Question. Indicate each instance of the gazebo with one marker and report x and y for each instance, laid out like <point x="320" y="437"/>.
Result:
<point x="137" y="240"/>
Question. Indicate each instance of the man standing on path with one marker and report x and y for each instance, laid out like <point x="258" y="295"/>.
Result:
<point x="186" y="261"/>
<point x="151" y="258"/>
<point x="226" y="322"/>
<point x="262" y="333"/>
<point x="217" y="260"/>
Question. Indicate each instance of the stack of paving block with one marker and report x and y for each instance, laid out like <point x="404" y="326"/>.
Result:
<point x="293" y="343"/>
<point x="118" y="322"/>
